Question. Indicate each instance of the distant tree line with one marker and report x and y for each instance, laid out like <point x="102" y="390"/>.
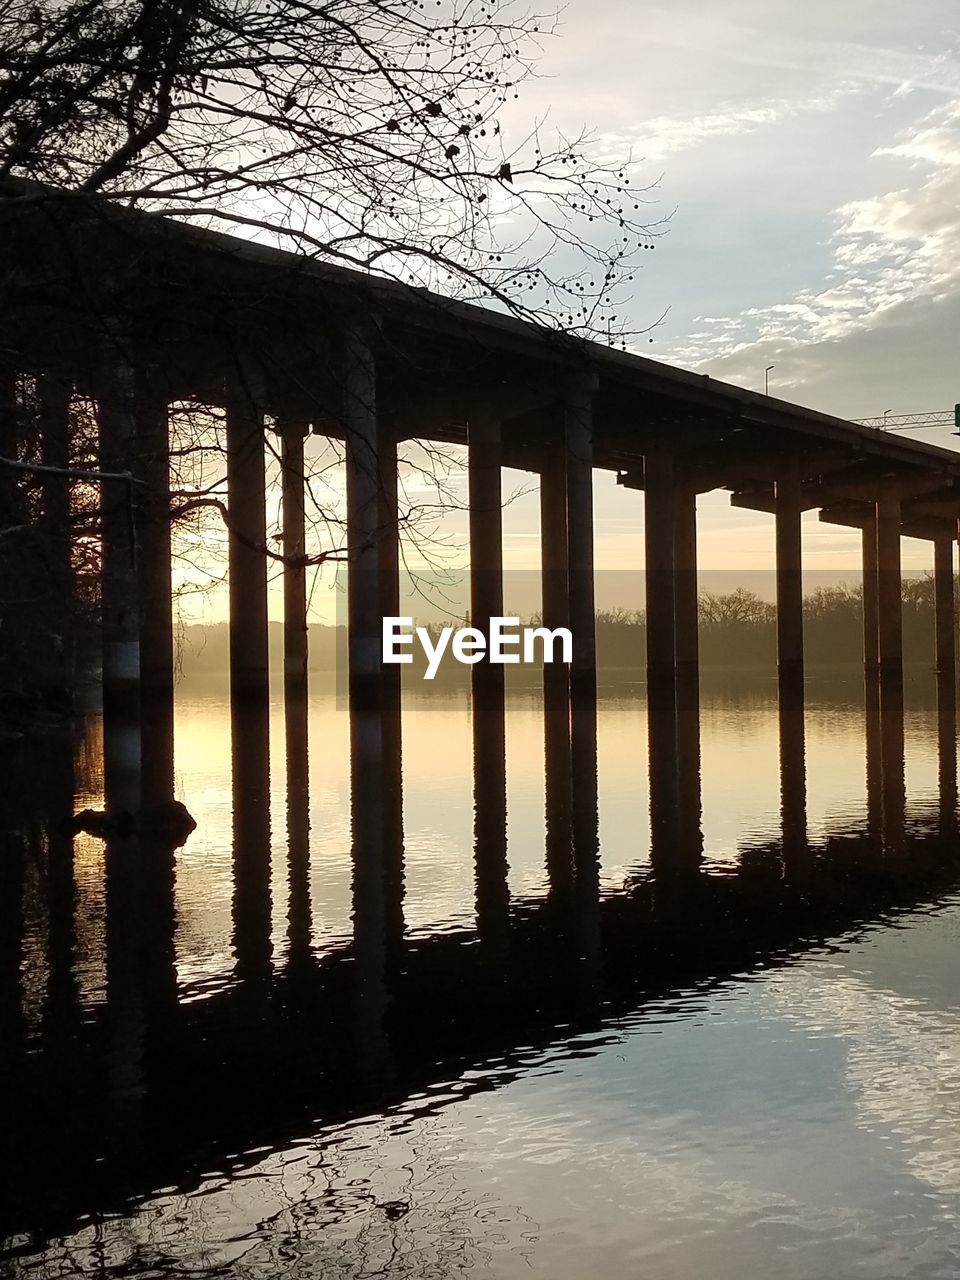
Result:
<point x="737" y="629"/>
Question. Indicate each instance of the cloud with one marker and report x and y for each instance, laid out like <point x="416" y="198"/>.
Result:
<point x="889" y="250"/>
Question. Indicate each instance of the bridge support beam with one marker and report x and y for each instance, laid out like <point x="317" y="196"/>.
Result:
<point x="687" y="622"/>
<point x="943" y="586"/>
<point x="688" y="677"/>
<point x="787" y="492"/>
<point x="489" y="725"/>
<point x="295" y="642"/>
<point x="556" y="683"/>
<point x="118" y="404"/>
<point x="578" y="449"/>
<point x="246" y="503"/>
<point x="890" y="609"/>
<point x="54" y="397"/>
<point x="871" y="602"/>
<point x="155" y="584"/>
<point x="890" y="649"/>
<point x="660" y="532"/>
<point x="366" y="690"/>
<point x="391" y="722"/>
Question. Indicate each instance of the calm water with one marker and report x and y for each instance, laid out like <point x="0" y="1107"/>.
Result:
<point x="749" y="1069"/>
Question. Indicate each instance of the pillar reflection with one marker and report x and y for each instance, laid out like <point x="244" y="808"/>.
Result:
<point x="556" y="683"/>
<point x="299" y="912"/>
<point x="947" y="751"/>
<point x="793" y="780"/>
<point x="892" y="776"/>
<point x="250" y="751"/>
<point x="62" y="1012"/>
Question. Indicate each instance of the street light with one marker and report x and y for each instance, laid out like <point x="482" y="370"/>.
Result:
<point x="766" y="379"/>
<point x="885" y="412"/>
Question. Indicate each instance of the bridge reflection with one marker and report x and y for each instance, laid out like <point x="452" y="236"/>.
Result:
<point x="161" y="1078"/>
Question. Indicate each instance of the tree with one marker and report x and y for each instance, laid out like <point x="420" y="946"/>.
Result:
<point x="375" y="133"/>
<point x="378" y="134"/>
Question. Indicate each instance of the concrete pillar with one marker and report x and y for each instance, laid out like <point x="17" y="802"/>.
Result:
<point x="556" y="679"/>
<point x="54" y="414"/>
<point x="660" y="535"/>
<point x="944" y="600"/>
<point x="890" y="609"/>
<point x="155" y="591"/>
<point x="249" y="683"/>
<point x="246" y="504"/>
<point x="789" y="576"/>
<point x="660" y="530"/>
<point x="943" y="585"/>
<point x="153" y="527"/>
<point x="890" y="633"/>
<point x="871" y="604"/>
<point x="685" y="582"/>
<point x="391" y="723"/>
<point x="686" y="613"/>
<point x="295" y="654"/>
<point x="364" y="639"/>
<point x="119" y="589"/>
<point x="489" y="731"/>
<point x="578" y="444"/>
<point x="871" y="673"/>
<point x="118" y="404"/>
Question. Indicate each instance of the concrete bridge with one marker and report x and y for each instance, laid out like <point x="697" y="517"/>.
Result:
<point x="139" y="312"/>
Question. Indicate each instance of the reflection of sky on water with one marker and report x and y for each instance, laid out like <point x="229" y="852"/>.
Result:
<point x="800" y="1124"/>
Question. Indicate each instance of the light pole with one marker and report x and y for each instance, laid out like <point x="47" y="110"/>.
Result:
<point x="766" y="379"/>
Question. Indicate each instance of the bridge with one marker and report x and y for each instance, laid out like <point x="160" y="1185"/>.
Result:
<point x="139" y="312"/>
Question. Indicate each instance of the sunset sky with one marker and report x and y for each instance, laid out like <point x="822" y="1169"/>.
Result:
<point x="809" y="157"/>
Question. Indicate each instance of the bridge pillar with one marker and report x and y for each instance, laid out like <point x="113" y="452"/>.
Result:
<point x="890" y="608"/>
<point x="489" y="728"/>
<point x="660" y="532"/>
<point x="578" y="448"/>
<point x="295" y="641"/>
<point x="249" y="681"/>
<point x="871" y="603"/>
<point x="890" y="648"/>
<point x="364" y="638"/>
<point x="686" y="614"/>
<point x="556" y="682"/>
<point x="121" y="631"/>
<point x="391" y="720"/>
<point x="154" y="574"/>
<point x="688" y="676"/>
<point x="789" y="577"/>
<point x="246" y="504"/>
<point x="943" y="586"/>
<point x="54" y="395"/>
<point x="119" y="590"/>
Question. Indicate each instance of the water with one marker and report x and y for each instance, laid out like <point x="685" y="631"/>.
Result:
<point x="745" y="1066"/>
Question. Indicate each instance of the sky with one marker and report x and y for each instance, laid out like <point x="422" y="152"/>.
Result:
<point x="808" y="157"/>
